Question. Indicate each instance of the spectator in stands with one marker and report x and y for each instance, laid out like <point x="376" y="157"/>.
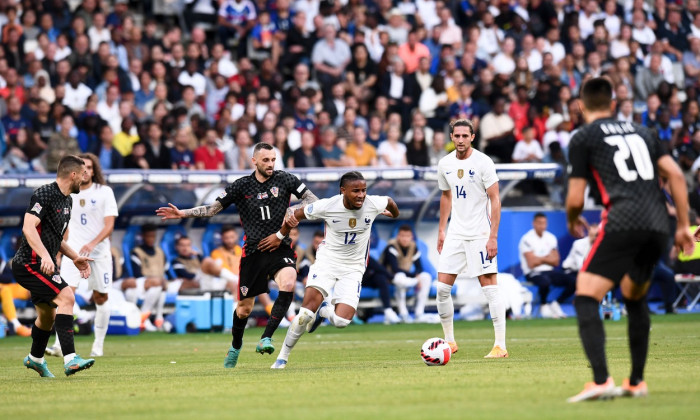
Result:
<point x="308" y="156"/>
<point x="377" y="277"/>
<point x="496" y="128"/>
<point x="110" y="158"/>
<point x="437" y="149"/>
<point x="361" y="73"/>
<point x="579" y="251"/>
<point x="528" y="150"/>
<point x="236" y="19"/>
<point x="157" y="153"/>
<point x="238" y="157"/>
<point x="330" y="56"/>
<point x="648" y="79"/>
<point x="556" y="132"/>
<point x="539" y="255"/>
<point x="391" y="152"/>
<point x="208" y="156"/>
<point x="61" y="144"/>
<point x="181" y="154"/>
<point x="125" y="139"/>
<point x="403" y="261"/>
<point x="331" y="154"/>
<point x="148" y="282"/>
<point x="359" y="151"/>
<point x="434" y="105"/>
<point x="417" y="150"/>
<point x="137" y="158"/>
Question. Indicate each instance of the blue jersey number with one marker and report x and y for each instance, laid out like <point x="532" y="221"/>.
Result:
<point x="83" y="219"/>
<point x="350" y="238"/>
<point x="460" y="191"/>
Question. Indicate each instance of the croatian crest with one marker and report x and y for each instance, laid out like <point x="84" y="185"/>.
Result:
<point x="82" y="202"/>
<point x="275" y="191"/>
<point x="352" y="222"/>
<point x="244" y="290"/>
<point x="460" y="173"/>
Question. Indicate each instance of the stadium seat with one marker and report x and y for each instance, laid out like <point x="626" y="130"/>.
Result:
<point x="211" y="239"/>
<point x="167" y="244"/>
<point x="132" y="238"/>
<point x="8" y="242"/>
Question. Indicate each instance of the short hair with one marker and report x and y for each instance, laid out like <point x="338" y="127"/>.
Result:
<point x="149" y="227"/>
<point x="597" y="94"/>
<point x="180" y="239"/>
<point x="228" y="228"/>
<point x="462" y="122"/>
<point x="538" y="215"/>
<point x="319" y="234"/>
<point x="68" y="164"/>
<point x="260" y="146"/>
<point x="350" y="177"/>
<point x="405" y="228"/>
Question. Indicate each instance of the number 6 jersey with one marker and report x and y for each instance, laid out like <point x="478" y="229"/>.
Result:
<point x="619" y="161"/>
<point x="468" y="180"/>
<point x="90" y="207"/>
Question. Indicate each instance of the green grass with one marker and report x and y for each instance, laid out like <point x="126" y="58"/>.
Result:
<point x="362" y="372"/>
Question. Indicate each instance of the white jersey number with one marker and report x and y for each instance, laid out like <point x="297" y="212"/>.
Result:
<point x="631" y="144"/>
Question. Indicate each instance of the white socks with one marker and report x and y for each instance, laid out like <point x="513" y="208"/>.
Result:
<point x="328" y="312"/>
<point x="15" y="323"/>
<point x="39" y="360"/>
<point x="131" y="295"/>
<point x="400" y="295"/>
<point x="226" y="274"/>
<point x="446" y="310"/>
<point x="68" y="357"/>
<point x="161" y="304"/>
<point x="102" y="313"/>
<point x="498" y="314"/>
<point x="424" y="280"/>
<point x="295" y="331"/>
<point x="150" y="299"/>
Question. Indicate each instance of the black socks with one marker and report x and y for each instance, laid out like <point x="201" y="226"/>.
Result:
<point x="238" y="330"/>
<point x="279" y="311"/>
<point x="590" y="328"/>
<point x="40" y="339"/>
<point x="64" y="329"/>
<point x="638" y="331"/>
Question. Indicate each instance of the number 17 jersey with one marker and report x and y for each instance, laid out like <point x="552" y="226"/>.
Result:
<point x="619" y="161"/>
<point x="468" y="179"/>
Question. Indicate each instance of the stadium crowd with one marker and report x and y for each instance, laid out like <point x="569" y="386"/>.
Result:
<point x="335" y="82"/>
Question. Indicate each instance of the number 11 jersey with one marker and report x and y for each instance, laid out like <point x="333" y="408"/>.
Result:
<point x="468" y="179"/>
<point x="619" y="161"/>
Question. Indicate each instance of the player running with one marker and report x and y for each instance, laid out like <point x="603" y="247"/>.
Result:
<point x="91" y="224"/>
<point x="469" y="185"/>
<point x="340" y="259"/>
<point x="623" y="161"/>
<point x="262" y="199"/>
<point x="34" y="266"/>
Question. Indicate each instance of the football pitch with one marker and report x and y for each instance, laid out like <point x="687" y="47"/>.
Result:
<point x="362" y="372"/>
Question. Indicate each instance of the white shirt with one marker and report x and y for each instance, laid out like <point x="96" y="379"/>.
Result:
<point x="347" y="232"/>
<point x="523" y="150"/>
<point x="395" y="86"/>
<point x="196" y="80"/>
<point x="644" y="36"/>
<point x="97" y="37"/>
<point x="503" y="64"/>
<point x="468" y="180"/>
<point x="585" y="23"/>
<point x="562" y="137"/>
<point x="76" y="99"/>
<point x="90" y="207"/>
<point x="540" y="246"/>
<point x="394" y="153"/>
<point x="577" y="255"/>
<point x="557" y="50"/>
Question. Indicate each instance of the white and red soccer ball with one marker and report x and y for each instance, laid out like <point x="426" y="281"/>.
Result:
<point x="436" y="352"/>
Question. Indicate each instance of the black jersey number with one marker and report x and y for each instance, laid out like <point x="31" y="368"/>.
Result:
<point x="631" y="144"/>
<point x="265" y="212"/>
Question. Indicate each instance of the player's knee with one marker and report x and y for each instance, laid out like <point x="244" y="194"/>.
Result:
<point x="244" y="308"/>
<point x="304" y="316"/>
<point x="339" y="322"/>
<point x="443" y="292"/>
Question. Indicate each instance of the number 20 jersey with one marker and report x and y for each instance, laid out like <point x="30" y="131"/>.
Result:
<point x="468" y="180"/>
<point x="619" y="161"/>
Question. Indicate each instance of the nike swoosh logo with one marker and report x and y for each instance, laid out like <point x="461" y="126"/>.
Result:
<point x="335" y="221"/>
<point x="486" y="266"/>
<point x="447" y="173"/>
<point x="248" y="196"/>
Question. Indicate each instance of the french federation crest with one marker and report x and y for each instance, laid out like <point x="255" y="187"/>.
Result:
<point x="460" y="173"/>
<point x="275" y="191"/>
<point x="353" y="222"/>
<point x="82" y="202"/>
<point x="244" y="290"/>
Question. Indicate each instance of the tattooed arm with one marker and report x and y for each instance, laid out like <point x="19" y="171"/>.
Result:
<point x="307" y="198"/>
<point x="172" y="212"/>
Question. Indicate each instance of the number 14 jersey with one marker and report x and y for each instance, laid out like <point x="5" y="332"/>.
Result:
<point x="468" y="179"/>
<point x="619" y="161"/>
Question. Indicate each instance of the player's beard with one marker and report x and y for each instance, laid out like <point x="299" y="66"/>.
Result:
<point x="263" y="172"/>
<point x="75" y="187"/>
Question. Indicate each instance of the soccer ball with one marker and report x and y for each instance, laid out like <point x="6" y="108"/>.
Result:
<point x="435" y="352"/>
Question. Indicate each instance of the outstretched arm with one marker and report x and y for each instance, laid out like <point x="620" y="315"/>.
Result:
<point x="172" y="212"/>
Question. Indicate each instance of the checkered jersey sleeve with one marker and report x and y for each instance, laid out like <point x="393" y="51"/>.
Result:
<point x="39" y="204"/>
<point x="578" y="155"/>
<point x="230" y="194"/>
<point x="295" y="185"/>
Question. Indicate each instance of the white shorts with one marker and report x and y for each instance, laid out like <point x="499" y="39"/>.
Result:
<point x="100" y="279"/>
<point x="344" y="284"/>
<point x="468" y="257"/>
